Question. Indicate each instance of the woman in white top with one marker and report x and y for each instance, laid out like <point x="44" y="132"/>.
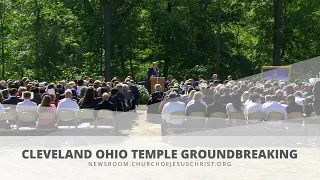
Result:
<point x="236" y="105"/>
<point x="245" y="97"/>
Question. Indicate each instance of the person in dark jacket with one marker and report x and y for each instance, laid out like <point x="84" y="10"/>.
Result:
<point x="216" y="106"/>
<point x="133" y="87"/>
<point x="36" y="95"/>
<point x="157" y="96"/>
<point x="308" y="107"/>
<point x="196" y="105"/>
<point x="316" y="93"/>
<point x="13" y="100"/>
<point x="88" y="101"/>
<point x="226" y="97"/>
<point x="106" y="104"/>
<point x="102" y="91"/>
<point x="292" y="105"/>
<point x="115" y="100"/>
<point x="121" y="97"/>
<point x="152" y="72"/>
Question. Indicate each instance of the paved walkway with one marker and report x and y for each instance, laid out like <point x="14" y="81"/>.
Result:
<point x="141" y="127"/>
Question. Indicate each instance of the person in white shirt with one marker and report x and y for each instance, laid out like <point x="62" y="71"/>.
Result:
<point x="299" y="99"/>
<point x="275" y="106"/>
<point x="173" y="105"/>
<point x="267" y="100"/>
<point x="255" y="106"/>
<point x="27" y="104"/>
<point x="67" y="103"/>
<point x="245" y="97"/>
<point x="2" y="110"/>
<point x="80" y="86"/>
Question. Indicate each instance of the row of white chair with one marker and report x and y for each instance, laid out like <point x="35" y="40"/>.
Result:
<point x="62" y="117"/>
<point x="198" y="120"/>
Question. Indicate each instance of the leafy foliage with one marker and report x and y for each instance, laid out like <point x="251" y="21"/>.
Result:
<point x="64" y="39"/>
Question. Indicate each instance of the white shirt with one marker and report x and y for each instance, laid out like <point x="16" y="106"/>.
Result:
<point x="79" y="89"/>
<point x="192" y="101"/>
<point x="253" y="107"/>
<point x="26" y="105"/>
<point x="230" y="108"/>
<point x="247" y="103"/>
<point x="2" y="110"/>
<point x="171" y="107"/>
<point x="265" y="104"/>
<point x="275" y="107"/>
<point x="68" y="104"/>
<point x="299" y="100"/>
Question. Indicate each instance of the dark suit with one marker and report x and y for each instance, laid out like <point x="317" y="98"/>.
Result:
<point x="12" y="100"/>
<point x="88" y="105"/>
<point x="294" y="107"/>
<point x="225" y="99"/>
<point x="98" y="100"/>
<point x="37" y="99"/>
<point x="151" y="72"/>
<point x="308" y="109"/>
<point x="136" y="95"/>
<point x="106" y="105"/>
<point x="196" y="106"/>
<point x="122" y="98"/>
<point x="117" y="102"/>
<point x="215" y="107"/>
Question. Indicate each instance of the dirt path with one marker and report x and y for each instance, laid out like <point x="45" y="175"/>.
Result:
<point x="141" y="127"/>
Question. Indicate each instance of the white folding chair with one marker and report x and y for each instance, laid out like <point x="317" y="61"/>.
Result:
<point x="175" y="116"/>
<point x="86" y="114"/>
<point x="27" y="119"/>
<point x="9" y="116"/>
<point x="46" y="116"/>
<point x="67" y="116"/>
<point x="105" y="115"/>
<point x="196" y="121"/>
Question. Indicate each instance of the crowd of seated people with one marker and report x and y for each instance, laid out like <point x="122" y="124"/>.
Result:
<point x="86" y="93"/>
<point x="245" y="97"/>
<point x="189" y="96"/>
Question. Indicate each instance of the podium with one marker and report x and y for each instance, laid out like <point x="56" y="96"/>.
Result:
<point x="157" y="80"/>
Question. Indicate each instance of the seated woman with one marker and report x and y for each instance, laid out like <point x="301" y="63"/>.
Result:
<point x="44" y="107"/>
<point x="216" y="106"/>
<point x="235" y="105"/>
<point x="88" y="101"/>
<point x="157" y="96"/>
<point x="308" y="107"/>
<point x="128" y="95"/>
<point x="154" y="103"/>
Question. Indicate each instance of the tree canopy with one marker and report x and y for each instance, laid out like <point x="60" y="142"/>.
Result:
<point x="65" y="39"/>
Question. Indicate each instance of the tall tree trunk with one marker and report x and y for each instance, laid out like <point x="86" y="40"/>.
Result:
<point x="107" y="8"/>
<point x="131" y="64"/>
<point x="169" y="35"/>
<point x="218" y="37"/>
<point x="277" y="33"/>
<point x="37" y="27"/>
<point x="2" y="39"/>
<point x="101" y="40"/>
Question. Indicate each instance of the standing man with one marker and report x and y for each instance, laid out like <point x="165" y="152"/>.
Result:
<point x="215" y="78"/>
<point x="152" y="72"/>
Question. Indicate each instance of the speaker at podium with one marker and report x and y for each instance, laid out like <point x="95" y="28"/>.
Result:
<point x="157" y="80"/>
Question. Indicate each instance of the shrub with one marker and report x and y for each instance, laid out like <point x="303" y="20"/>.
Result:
<point x="144" y="94"/>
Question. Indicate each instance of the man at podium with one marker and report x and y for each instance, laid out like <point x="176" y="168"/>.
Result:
<point x="152" y="72"/>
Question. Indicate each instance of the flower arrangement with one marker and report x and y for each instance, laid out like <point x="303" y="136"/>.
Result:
<point x="144" y="94"/>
